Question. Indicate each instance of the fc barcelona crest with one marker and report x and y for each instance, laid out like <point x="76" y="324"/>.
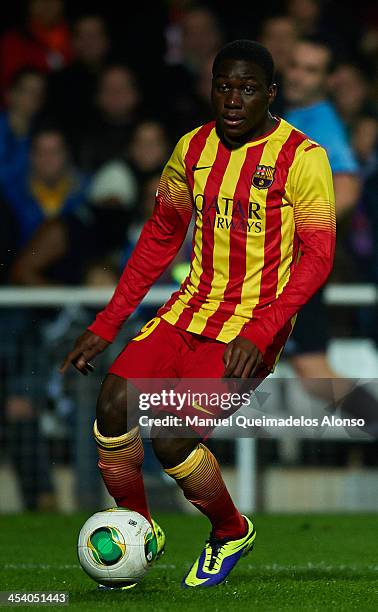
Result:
<point x="263" y="177"/>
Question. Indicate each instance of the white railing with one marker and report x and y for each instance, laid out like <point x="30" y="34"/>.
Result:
<point x="334" y="295"/>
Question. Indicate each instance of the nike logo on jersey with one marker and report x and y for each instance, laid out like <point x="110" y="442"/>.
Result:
<point x="194" y="167"/>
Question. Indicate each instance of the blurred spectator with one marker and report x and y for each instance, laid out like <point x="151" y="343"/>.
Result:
<point x="324" y="18"/>
<point x="86" y="243"/>
<point x="43" y="41"/>
<point x="369" y="199"/>
<point x="201" y="39"/>
<point x="146" y="207"/>
<point x="365" y="143"/>
<point x="306" y="15"/>
<point x="72" y="90"/>
<point x="113" y="186"/>
<point x="180" y="265"/>
<point x="305" y="91"/>
<point x="200" y="111"/>
<point x="107" y="133"/>
<point x="369" y="37"/>
<point x="102" y="274"/>
<point x="363" y="230"/>
<point x="23" y="439"/>
<point x="49" y="187"/>
<point x="350" y="90"/>
<point x="279" y="34"/>
<point x="24" y="100"/>
<point x="148" y="150"/>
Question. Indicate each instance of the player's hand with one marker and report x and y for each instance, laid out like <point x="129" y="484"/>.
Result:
<point x="86" y="347"/>
<point x="242" y="358"/>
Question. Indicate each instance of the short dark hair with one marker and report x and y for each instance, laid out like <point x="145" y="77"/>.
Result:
<point x="248" y="50"/>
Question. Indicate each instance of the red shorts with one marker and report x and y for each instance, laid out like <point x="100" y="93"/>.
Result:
<point x="163" y="351"/>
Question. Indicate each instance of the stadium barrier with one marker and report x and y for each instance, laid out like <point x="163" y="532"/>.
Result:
<point x="334" y="295"/>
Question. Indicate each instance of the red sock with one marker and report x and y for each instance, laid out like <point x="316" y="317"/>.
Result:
<point x="120" y="462"/>
<point x="200" y="479"/>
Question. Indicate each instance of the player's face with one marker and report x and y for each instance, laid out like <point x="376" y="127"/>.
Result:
<point x="241" y="97"/>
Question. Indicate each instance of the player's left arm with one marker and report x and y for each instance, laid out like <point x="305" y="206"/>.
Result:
<point x="310" y="189"/>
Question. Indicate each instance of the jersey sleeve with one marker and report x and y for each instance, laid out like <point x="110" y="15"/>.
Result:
<point x="310" y="190"/>
<point x="159" y="242"/>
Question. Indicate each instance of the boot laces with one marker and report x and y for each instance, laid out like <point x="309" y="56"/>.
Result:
<point x="216" y="545"/>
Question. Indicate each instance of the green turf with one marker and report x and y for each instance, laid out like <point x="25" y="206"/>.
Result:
<point x="318" y="563"/>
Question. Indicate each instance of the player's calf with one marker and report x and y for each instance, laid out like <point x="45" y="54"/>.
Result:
<point x="120" y="447"/>
<point x="198" y="475"/>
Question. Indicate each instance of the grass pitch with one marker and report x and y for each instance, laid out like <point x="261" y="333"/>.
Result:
<point x="300" y="563"/>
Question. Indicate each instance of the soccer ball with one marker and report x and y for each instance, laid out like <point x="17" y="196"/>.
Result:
<point x="116" y="547"/>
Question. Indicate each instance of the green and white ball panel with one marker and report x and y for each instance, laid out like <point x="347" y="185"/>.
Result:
<point x="116" y="546"/>
<point x="106" y="545"/>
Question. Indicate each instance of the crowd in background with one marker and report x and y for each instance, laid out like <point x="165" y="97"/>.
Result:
<point x="85" y="131"/>
<point x="91" y="107"/>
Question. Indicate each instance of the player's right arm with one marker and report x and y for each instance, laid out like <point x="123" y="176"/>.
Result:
<point x="159" y="242"/>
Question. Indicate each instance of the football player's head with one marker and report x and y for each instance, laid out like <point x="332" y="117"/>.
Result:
<point x="242" y="90"/>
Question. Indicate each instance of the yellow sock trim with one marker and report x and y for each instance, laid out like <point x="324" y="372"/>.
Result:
<point x="115" y="442"/>
<point x="191" y="462"/>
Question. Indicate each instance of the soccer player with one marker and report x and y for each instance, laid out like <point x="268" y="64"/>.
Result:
<point x="263" y="244"/>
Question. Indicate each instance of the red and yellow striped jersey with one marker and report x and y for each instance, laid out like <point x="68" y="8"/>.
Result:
<point x="263" y="239"/>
